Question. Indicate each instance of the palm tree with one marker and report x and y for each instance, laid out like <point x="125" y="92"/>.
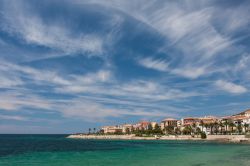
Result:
<point x="169" y="129"/>
<point x="177" y="131"/>
<point x="216" y="125"/>
<point x="221" y="126"/>
<point x="211" y="127"/>
<point x="127" y="131"/>
<point x="206" y="126"/>
<point x="232" y="125"/>
<point x="198" y="130"/>
<point x="94" y="129"/>
<point x="246" y="127"/>
<point x="226" y="124"/>
<point x="202" y="125"/>
<point x="239" y="128"/>
<point x="150" y="129"/>
<point x="194" y="127"/>
<point x="187" y="130"/>
<point x="89" y="130"/>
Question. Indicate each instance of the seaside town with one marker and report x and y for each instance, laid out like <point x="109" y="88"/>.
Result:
<point x="234" y="128"/>
<point x="209" y="125"/>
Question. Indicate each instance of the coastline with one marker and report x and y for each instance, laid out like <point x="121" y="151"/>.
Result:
<point x="217" y="138"/>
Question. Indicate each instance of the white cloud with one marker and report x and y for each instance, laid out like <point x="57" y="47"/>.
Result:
<point x="191" y="28"/>
<point x="150" y="63"/>
<point x="91" y="111"/>
<point x="19" y="20"/>
<point x="186" y="71"/>
<point x="230" y="87"/>
<point x="15" y="72"/>
<point x="136" y="90"/>
<point x="100" y="84"/>
<point x="190" y="72"/>
<point x="234" y="19"/>
<point x="8" y="117"/>
<point x="188" y="28"/>
<point x="243" y="63"/>
<point x="20" y="98"/>
<point x="9" y="81"/>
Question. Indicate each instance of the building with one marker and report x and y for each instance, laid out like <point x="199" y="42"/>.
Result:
<point x="240" y="120"/>
<point x="143" y="125"/>
<point x="179" y="123"/>
<point x="189" y="121"/>
<point x="153" y="124"/>
<point x="207" y="124"/>
<point x="168" y="122"/>
<point x="111" y="129"/>
<point x="245" y="113"/>
<point x="127" y="128"/>
<point x="208" y="119"/>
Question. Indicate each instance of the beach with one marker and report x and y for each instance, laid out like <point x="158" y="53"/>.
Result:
<point x="220" y="138"/>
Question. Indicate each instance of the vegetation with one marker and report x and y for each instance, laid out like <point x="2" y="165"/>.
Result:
<point x="246" y="126"/>
<point x="187" y="130"/>
<point x="203" y="135"/>
<point x="226" y="127"/>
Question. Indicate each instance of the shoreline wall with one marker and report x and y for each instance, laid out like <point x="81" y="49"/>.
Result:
<point x="226" y="138"/>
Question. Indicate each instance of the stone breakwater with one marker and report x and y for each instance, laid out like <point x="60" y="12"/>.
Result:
<point x="221" y="138"/>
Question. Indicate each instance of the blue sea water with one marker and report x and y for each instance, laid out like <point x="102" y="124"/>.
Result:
<point x="57" y="150"/>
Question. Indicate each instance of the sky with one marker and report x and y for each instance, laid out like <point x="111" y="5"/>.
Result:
<point x="70" y="65"/>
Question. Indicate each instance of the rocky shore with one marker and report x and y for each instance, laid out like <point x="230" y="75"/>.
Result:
<point x="219" y="138"/>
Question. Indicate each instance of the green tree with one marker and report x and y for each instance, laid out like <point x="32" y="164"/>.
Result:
<point x="177" y="131"/>
<point x="198" y="130"/>
<point x="127" y="131"/>
<point x="118" y="132"/>
<point x="246" y="127"/>
<point x="194" y="127"/>
<point x="142" y="131"/>
<point x="206" y="126"/>
<point x="101" y="131"/>
<point x="157" y="129"/>
<point x="89" y="130"/>
<point x="226" y="123"/>
<point x="150" y="129"/>
<point x="187" y="130"/>
<point x="133" y="130"/>
<point x="232" y="125"/>
<point x="211" y="128"/>
<point x="169" y="129"/>
<point x="221" y="125"/>
<point x="216" y="126"/>
<point x="202" y="125"/>
<point x="203" y="135"/>
<point x="239" y="128"/>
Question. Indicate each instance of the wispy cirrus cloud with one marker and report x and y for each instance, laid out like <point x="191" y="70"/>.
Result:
<point x="230" y="87"/>
<point x="17" y="118"/>
<point x="100" y="84"/>
<point x="191" y="72"/>
<point x="38" y="76"/>
<point x="190" y="29"/>
<point x="17" y="100"/>
<point x="92" y="111"/>
<point x="19" y="19"/>
<point x="155" y="64"/>
<point x="198" y="51"/>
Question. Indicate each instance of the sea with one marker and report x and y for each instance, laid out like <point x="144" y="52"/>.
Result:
<point x="57" y="150"/>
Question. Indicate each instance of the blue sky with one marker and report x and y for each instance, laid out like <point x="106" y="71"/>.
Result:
<point x="66" y="66"/>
